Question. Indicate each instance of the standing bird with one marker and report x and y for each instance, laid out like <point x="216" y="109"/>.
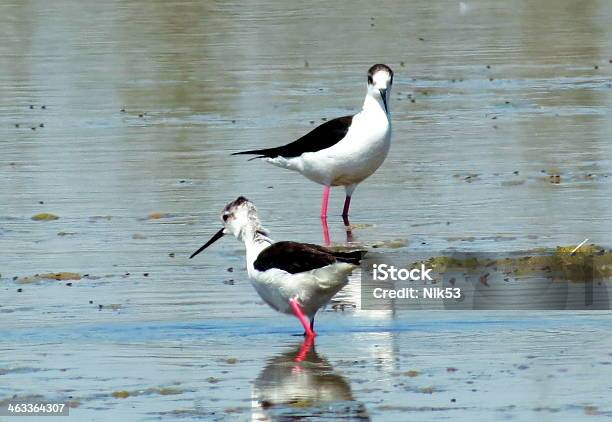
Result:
<point x="293" y="278"/>
<point x="343" y="151"/>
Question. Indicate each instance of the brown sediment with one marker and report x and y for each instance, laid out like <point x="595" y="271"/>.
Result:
<point x="61" y="276"/>
<point x="158" y="215"/>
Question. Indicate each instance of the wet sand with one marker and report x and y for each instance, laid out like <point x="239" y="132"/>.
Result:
<point x="119" y="119"/>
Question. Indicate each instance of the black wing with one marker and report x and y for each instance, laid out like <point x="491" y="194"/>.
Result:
<point x="321" y="137"/>
<point x="351" y="257"/>
<point x="295" y="257"/>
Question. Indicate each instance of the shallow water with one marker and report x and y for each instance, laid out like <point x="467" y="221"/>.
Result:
<point x="498" y="89"/>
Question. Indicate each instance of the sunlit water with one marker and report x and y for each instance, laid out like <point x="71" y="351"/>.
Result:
<point x="506" y="95"/>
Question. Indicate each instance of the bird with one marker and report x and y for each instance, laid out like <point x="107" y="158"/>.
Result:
<point x="343" y="151"/>
<point x="291" y="277"/>
<point x="302" y="375"/>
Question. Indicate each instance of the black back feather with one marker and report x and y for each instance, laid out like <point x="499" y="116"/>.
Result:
<point x="321" y="137"/>
<point x="295" y="257"/>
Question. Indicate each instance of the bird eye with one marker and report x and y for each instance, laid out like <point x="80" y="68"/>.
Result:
<point x="225" y="217"/>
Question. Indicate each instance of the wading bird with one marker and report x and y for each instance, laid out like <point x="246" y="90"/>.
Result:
<point x="293" y="278"/>
<point x="343" y="151"/>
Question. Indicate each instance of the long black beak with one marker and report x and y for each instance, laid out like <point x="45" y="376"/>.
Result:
<point x="212" y="240"/>
<point x="383" y="95"/>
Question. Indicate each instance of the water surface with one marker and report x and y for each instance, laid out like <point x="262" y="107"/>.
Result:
<point x="491" y="101"/>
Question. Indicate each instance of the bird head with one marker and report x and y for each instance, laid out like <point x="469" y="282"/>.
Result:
<point x="380" y="79"/>
<point x="238" y="217"/>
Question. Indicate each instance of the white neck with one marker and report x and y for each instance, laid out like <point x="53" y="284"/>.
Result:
<point x="255" y="242"/>
<point x="374" y="104"/>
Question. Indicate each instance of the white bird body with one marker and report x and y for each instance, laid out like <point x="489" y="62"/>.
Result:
<point x="291" y="277"/>
<point x="312" y="289"/>
<point x="354" y="158"/>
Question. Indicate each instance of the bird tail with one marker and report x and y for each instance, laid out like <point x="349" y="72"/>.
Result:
<point x="352" y="257"/>
<point x="261" y="153"/>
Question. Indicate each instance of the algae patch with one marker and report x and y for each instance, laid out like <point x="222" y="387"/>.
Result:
<point x="589" y="262"/>
<point x="159" y="215"/>
<point x="45" y="216"/>
<point x="162" y="391"/>
<point x="122" y="394"/>
<point x="61" y="276"/>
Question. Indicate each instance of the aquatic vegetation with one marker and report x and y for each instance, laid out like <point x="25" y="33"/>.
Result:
<point x="158" y="215"/>
<point x="162" y="391"/>
<point x="61" y="276"/>
<point x="120" y="394"/>
<point x="589" y="262"/>
<point x="45" y="216"/>
<point x="390" y="244"/>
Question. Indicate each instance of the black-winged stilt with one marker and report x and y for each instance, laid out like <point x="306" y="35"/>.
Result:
<point x="293" y="278"/>
<point x="343" y="151"/>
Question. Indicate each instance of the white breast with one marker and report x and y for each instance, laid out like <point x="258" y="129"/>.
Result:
<point x="313" y="289"/>
<point x="354" y="158"/>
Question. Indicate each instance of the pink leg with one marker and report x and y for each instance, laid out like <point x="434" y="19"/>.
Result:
<point x="324" y="202"/>
<point x="304" y="349"/>
<point x="347" y="204"/>
<point x="325" y="229"/>
<point x="297" y="311"/>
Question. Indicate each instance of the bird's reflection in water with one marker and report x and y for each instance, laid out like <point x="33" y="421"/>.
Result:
<point x="301" y="384"/>
<point x="347" y="227"/>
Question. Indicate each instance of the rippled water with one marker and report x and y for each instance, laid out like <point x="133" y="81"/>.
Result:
<point x="490" y="100"/>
